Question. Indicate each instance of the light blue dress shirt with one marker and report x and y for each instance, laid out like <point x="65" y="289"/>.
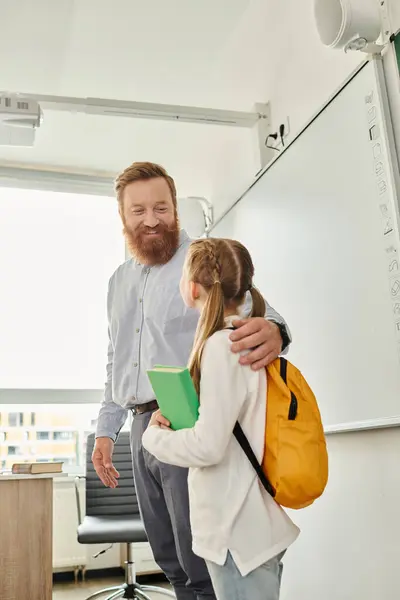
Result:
<point x="148" y="324"/>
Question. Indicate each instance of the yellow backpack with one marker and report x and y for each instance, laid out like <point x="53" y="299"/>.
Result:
<point x="294" y="469"/>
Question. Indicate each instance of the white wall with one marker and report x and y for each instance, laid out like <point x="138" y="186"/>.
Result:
<point x="349" y="546"/>
<point x="394" y="14"/>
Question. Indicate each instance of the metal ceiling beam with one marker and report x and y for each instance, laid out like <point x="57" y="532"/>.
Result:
<point x="147" y="110"/>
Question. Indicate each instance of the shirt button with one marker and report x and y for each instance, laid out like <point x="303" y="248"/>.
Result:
<point x="135" y="364"/>
<point x="141" y="300"/>
<point x="137" y="330"/>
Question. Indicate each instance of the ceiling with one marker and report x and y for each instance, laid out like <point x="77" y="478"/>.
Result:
<point x="224" y="54"/>
<point x="217" y="53"/>
<point x="158" y="51"/>
<point x="154" y="51"/>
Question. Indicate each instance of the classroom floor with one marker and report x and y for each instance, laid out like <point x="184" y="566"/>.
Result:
<point x="81" y="590"/>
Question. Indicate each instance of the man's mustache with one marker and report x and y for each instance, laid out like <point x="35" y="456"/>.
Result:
<point x="157" y="229"/>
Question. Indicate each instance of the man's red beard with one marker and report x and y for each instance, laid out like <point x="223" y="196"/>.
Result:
<point x="149" y="251"/>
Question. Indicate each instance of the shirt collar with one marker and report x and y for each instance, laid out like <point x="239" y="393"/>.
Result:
<point x="229" y="320"/>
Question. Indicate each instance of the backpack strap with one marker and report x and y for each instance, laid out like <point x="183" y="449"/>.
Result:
<point x="293" y="400"/>
<point x="283" y="368"/>
<point x="247" y="449"/>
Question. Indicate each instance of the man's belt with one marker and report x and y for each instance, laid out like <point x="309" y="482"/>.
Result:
<point x="141" y="409"/>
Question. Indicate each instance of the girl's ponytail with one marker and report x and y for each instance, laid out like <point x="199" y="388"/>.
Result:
<point x="211" y="321"/>
<point x="259" y="307"/>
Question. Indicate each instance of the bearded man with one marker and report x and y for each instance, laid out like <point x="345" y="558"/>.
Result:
<point x="149" y="324"/>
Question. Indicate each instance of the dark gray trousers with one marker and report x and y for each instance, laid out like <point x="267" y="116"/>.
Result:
<point x="162" y="492"/>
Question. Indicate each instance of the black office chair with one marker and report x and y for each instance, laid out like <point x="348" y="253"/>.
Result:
<point x="112" y="517"/>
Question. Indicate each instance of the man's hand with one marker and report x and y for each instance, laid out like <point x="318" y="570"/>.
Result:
<point x="157" y="420"/>
<point x="102" y="461"/>
<point x="261" y="337"/>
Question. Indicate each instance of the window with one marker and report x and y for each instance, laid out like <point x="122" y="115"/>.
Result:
<point x="67" y="460"/>
<point x="15" y="419"/>
<point x="57" y="253"/>
<point x="60" y="433"/>
<point x="63" y="435"/>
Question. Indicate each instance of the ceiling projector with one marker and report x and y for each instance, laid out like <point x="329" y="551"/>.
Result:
<point x="19" y="119"/>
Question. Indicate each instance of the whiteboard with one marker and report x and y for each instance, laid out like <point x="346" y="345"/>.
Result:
<point x="321" y="224"/>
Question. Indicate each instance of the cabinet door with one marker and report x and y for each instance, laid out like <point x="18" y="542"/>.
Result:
<point x="67" y="552"/>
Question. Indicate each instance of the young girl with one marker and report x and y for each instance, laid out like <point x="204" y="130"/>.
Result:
<point x="237" y="527"/>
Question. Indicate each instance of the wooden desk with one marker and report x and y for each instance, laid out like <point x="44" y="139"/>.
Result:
<point x="26" y="505"/>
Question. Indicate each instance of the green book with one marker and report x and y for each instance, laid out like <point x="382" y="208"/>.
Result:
<point x="176" y="395"/>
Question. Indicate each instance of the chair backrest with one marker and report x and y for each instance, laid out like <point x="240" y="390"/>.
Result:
<point x="103" y="501"/>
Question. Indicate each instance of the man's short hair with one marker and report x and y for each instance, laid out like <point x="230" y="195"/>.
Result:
<point x="142" y="171"/>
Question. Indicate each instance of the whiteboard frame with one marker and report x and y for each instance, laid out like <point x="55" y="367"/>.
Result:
<point x="394" y="177"/>
<point x="371" y="424"/>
